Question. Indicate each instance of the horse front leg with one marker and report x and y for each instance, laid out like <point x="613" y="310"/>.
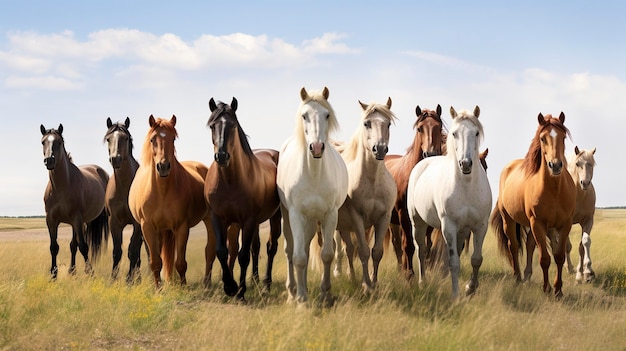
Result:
<point x="479" y="234"/>
<point x="116" y="235"/>
<point x="530" y="251"/>
<point x="249" y="231"/>
<point x="272" y="247"/>
<point x="153" y="241"/>
<point x="290" y="282"/>
<point x="53" y="228"/>
<point x="328" y="230"/>
<point x="585" y="252"/>
<point x="508" y="226"/>
<point x="209" y="251"/>
<point x="220" y="229"/>
<point x="134" y="254"/>
<point x="450" y="231"/>
<point x="380" y="230"/>
<point x="408" y="245"/>
<point x="181" y="236"/>
<point x="540" y="232"/>
<point x="559" y="258"/>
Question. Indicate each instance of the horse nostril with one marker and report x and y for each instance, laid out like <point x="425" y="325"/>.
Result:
<point x="386" y="149"/>
<point x="374" y="149"/>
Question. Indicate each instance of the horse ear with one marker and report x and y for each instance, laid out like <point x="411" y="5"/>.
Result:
<point x="303" y="94"/>
<point x="452" y="112"/>
<point x="151" y="121"/>
<point x="60" y="128"/>
<point x="127" y="122"/>
<point x="109" y="122"/>
<point x="562" y="117"/>
<point x="234" y="104"/>
<point x="593" y="152"/>
<point x="363" y="106"/>
<point x="476" y="111"/>
<point x="42" y="129"/>
<point x="541" y="119"/>
<point x="325" y="93"/>
<point x="212" y="105"/>
<point x="485" y="153"/>
<point x="576" y="150"/>
<point x="173" y="120"/>
<point x="418" y="110"/>
<point x="389" y="102"/>
<point x="438" y="110"/>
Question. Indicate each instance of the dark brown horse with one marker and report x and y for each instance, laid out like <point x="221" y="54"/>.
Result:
<point x="427" y="142"/>
<point x="74" y="195"/>
<point x="537" y="192"/>
<point x="240" y="188"/>
<point x="120" y="145"/>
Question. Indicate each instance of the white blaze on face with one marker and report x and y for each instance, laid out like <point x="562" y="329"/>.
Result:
<point x="553" y="134"/>
<point x="50" y="138"/>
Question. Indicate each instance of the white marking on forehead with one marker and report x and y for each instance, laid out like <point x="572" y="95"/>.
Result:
<point x="50" y="138"/>
<point x="162" y="134"/>
<point x="553" y="133"/>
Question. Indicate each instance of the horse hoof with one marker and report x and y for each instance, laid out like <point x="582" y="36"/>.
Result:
<point x="589" y="277"/>
<point x="231" y="289"/>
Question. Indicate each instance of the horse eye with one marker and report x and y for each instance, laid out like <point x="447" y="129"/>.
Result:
<point x="454" y="134"/>
<point x="420" y="129"/>
<point x="303" y="117"/>
<point x="327" y="115"/>
<point x="367" y="124"/>
<point x="476" y="133"/>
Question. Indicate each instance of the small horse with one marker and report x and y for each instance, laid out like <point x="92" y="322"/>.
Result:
<point x="240" y="188"/>
<point x="452" y="192"/>
<point x="371" y="190"/>
<point x="120" y="145"/>
<point x="167" y="198"/>
<point x="537" y="192"/>
<point x="312" y="184"/>
<point x="580" y="165"/>
<point x="74" y="195"/>
<point x="427" y="142"/>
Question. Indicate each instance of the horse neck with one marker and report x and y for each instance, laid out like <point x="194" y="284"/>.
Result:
<point x="173" y="179"/>
<point x="367" y="163"/>
<point x="61" y="175"/>
<point x="240" y="166"/>
<point x="125" y="174"/>
<point x="554" y="182"/>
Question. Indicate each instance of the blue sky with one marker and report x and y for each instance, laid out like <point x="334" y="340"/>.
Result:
<point x="79" y="62"/>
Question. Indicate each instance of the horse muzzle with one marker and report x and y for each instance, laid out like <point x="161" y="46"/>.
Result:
<point x="163" y="168"/>
<point x="555" y="167"/>
<point x="317" y="149"/>
<point x="584" y="184"/>
<point x="380" y="151"/>
<point x="466" y="165"/>
<point x="50" y="162"/>
<point x="115" y="161"/>
<point x="222" y="158"/>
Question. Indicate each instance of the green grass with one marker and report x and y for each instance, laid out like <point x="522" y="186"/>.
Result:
<point x="85" y="313"/>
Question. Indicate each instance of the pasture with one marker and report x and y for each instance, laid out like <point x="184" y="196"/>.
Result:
<point x="81" y="312"/>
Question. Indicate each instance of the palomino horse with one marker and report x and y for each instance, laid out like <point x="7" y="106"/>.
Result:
<point x="537" y="192"/>
<point x="452" y="192"/>
<point x="312" y="184"/>
<point x="74" y="195"/>
<point x="427" y="142"/>
<point x="120" y="145"/>
<point x="580" y="165"/>
<point x="166" y="198"/>
<point x="371" y="190"/>
<point x="240" y="188"/>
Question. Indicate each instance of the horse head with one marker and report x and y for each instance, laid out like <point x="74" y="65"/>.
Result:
<point x="466" y="132"/>
<point x="429" y="130"/>
<point x="162" y="135"/>
<point x="119" y="142"/>
<point x="52" y="141"/>
<point x="376" y="119"/>
<point x="581" y="166"/>
<point x="224" y="129"/>
<point x="317" y="120"/>
<point x="552" y="133"/>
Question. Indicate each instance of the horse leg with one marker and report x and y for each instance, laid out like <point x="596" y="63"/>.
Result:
<point x="419" y="230"/>
<point x="328" y="229"/>
<point x="530" y="252"/>
<point x="396" y="237"/>
<point x="220" y="229"/>
<point x="153" y="241"/>
<point x="134" y="254"/>
<point x="53" y="228"/>
<point x="233" y="245"/>
<point x="339" y="253"/>
<point x="540" y="233"/>
<point x="272" y="247"/>
<point x="568" y="258"/>
<point x="508" y="226"/>
<point x="479" y="234"/>
<point x="451" y="231"/>
<point x="559" y="258"/>
<point x="408" y="245"/>
<point x="249" y="231"/>
<point x="116" y="235"/>
<point x="301" y="235"/>
<point x="364" y="255"/>
<point x="290" y="282"/>
<point x="585" y="251"/>
<point x="209" y="251"/>
<point x="255" y="249"/>
<point x="380" y="229"/>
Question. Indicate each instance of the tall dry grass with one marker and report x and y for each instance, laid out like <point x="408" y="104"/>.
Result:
<point x="80" y="312"/>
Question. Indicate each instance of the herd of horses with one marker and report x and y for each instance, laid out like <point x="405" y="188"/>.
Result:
<point x="354" y="196"/>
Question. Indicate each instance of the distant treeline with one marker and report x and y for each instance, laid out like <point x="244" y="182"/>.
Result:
<point x="38" y="216"/>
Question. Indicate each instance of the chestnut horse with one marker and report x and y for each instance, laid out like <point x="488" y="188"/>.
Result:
<point x="240" y="188"/>
<point x="537" y="192"/>
<point x="74" y="195"/>
<point x="166" y="198"/>
<point x="120" y="145"/>
<point x="427" y="142"/>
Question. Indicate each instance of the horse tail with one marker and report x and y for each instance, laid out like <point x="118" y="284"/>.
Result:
<point x="167" y="253"/>
<point x="497" y="224"/>
<point x="97" y="232"/>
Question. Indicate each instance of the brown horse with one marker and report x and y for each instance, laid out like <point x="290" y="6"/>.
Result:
<point x="74" y="195"/>
<point x="166" y="198"/>
<point x="120" y="145"/>
<point x="427" y="142"/>
<point x="537" y="192"/>
<point x="240" y="188"/>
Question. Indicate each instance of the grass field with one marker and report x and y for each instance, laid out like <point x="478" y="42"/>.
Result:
<point x="93" y="313"/>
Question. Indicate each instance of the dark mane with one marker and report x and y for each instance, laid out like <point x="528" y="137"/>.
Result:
<point x="534" y="157"/>
<point x="224" y="109"/>
<point x="122" y="128"/>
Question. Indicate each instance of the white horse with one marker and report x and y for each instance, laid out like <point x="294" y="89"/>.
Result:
<point x="371" y="190"/>
<point x="452" y="192"/>
<point x="312" y="182"/>
<point x="580" y="166"/>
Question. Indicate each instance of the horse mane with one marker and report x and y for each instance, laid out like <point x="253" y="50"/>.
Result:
<point x="532" y="160"/>
<point x="317" y="96"/>
<point x="146" y="152"/>
<point x="122" y="128"/>
<point x="469" y="116"/>
<point x="351" y="149"/>
<point x="223" y="108"/>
